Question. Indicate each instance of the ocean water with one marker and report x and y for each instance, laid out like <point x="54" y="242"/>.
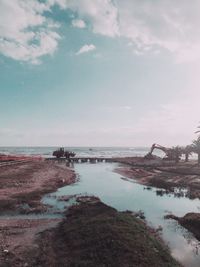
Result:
<point x="80" y="151"/>
<point x="107" y="152"/>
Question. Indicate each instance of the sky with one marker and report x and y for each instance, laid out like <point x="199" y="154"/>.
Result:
<point x="99" y="72"/>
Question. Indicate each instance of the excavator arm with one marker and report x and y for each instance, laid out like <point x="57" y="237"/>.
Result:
<point x="159" y="147"/>
<point x="156" y="146"/>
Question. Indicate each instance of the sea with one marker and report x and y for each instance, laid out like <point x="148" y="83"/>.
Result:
<point x="80" y="151"/>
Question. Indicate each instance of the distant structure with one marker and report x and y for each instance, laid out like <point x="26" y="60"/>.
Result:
<point x="61" y="153"/>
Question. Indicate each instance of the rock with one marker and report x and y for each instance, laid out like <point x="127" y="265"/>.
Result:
<point x="64" y="198"/>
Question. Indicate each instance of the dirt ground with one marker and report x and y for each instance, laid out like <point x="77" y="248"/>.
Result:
<point x="21" y="188"/>
<point x="94" y="234"/>
<point x="26" y="183"/>
<point x="181" y="175"/>
<point x="164" y="176"/>
<point x="17" y="239"/>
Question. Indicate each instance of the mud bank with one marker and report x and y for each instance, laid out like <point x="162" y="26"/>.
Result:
<point x="17" y="239"/>
<point x="21" y="189"/>
<point x="22" y="186"/>
<point x="163" y="176"/>
<point x="191" y="221"/>
<point x="94" y="234"/>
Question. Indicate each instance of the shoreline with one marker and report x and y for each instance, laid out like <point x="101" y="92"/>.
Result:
<point x="168" y="178"/>
<point x="190" y="221"/>
<point x="164" y="176"/>
<point x="21" y="190"/>
<point x="28" y="182"/>
<point x="22" y="239"/>
<point x="94" y="234"/>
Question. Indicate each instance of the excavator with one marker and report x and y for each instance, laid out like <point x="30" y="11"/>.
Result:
<point x="170" y="153"/>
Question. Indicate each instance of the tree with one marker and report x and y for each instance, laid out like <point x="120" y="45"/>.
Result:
<point x="196" y="147"/>
<point x="176" y="153"/>
<point x="187" y="151"/>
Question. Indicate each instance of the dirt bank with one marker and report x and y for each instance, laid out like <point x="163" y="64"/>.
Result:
<point x="26" y="184"/>
<point x="162" y="176"/>
<point x="94" y="234"/>
<point x="191" y="221"/>
<point x="17" y="239"/>
<point x="21" y="189"/>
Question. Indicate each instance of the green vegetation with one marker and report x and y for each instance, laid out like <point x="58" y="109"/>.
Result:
<point x="94" y="234"/>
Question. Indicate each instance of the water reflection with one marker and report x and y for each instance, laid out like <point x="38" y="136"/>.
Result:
<point x="124" y="194"/>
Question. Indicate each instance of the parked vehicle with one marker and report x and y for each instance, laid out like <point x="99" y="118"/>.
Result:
<point x="61" y="153"/>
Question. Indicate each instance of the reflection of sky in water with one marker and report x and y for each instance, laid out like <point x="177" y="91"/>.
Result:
<point x="99" y="180"/>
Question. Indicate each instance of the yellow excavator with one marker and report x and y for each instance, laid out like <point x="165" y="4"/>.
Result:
<point x="170" y="153"/>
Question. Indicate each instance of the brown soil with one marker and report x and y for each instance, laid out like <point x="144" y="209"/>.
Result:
<point x="94" y="234"/>
<point x="26" y="183"/>
<point x="190" y="221"/>
<point x="17" y="238"/>
<point x="20" y="184"/>
<point x="166" y="177"/>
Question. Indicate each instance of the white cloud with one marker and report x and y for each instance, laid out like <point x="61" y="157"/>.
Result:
<point x="78" y="23"/>
<point x="151" y="26"/>
<point x="148" y="25"/>
<point x="158" y="25"/>
<point x="61" y="3"/>
<point x="86" y="48"/>
<point x="25" y="33"/>
<point x="102" y="14"/>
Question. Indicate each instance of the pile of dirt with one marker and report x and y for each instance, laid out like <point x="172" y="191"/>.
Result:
<point x="94" y="234"/>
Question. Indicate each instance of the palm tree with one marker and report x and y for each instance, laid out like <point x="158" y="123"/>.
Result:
<point x="198" y="131"/>
<point x="187" y="151"/>
<point x="176" y="153"/>
<point x="196" y="147"/>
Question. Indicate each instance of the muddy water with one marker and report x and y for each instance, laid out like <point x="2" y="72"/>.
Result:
<point x="100" y="180"/>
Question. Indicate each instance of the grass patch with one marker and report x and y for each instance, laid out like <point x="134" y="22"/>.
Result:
<point x="97" y="235"/>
